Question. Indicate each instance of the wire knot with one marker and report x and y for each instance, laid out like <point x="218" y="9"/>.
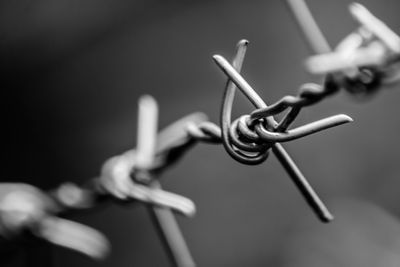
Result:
<point x="246" y="139"/>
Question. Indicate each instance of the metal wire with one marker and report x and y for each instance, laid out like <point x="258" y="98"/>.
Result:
<point x="364" y="61"/>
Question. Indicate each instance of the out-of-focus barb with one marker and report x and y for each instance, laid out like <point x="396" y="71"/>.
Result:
<point x="26" y="208"/>
<point x="130" y="176"/>
<point x="366" y="59"/>
<point x="118" y="181"/>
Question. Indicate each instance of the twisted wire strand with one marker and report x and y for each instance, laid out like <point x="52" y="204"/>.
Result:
<point x="309" y="94"/>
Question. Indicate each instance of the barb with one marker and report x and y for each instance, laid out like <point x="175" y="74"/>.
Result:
<point x="259" y="103"/>
<point x="116" y="181"/>
<point x="285" y="159"/>
<point x="163" y="218"/>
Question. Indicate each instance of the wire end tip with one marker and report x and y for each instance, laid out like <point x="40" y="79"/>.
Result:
<point x="147" y="99"/>
<point x="327" y="218"/>
<point x="355" y="8"/>
<point x="189" y="210"/>
<point x="243" y="42"/>
<point x="192" y="213"/>
<point x="355" y="5"/>
<point x="217" y="57"/>
<point x="103" y="252"/>
<point x="346" y="118"/>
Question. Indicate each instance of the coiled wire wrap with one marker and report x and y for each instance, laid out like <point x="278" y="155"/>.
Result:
<point x="309" y="94"/>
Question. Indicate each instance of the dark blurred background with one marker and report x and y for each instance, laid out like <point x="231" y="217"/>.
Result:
<point x="71" y="74"/>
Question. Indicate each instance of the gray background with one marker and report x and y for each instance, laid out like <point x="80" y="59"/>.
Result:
<point x="71" y="74"/>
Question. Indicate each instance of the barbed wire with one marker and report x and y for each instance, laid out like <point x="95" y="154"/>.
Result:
<point x="362" y="63"/>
